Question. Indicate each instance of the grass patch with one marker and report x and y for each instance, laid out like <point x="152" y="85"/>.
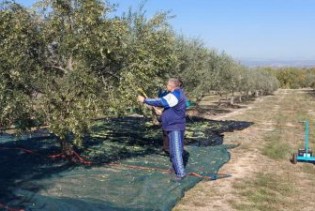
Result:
<point x="309" y="169"/>
<point x="277" y="133"/>
<point x="265" y="192"/>
<point x="275" y="148"/>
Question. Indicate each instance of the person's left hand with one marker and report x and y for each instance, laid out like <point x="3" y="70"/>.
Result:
<point x="140" y="98"/>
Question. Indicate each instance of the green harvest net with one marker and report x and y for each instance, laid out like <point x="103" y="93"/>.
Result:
<point x="129" y="170"/>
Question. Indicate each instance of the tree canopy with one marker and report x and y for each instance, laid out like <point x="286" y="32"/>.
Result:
<point x="65" y="62"/>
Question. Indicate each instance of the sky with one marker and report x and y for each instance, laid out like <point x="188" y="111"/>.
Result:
<point x="244" y="29"/>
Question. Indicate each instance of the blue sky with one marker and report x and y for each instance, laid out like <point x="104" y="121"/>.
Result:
<point x="244" y="29"/>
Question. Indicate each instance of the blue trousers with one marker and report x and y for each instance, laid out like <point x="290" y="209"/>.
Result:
<point x="176" y="146"/>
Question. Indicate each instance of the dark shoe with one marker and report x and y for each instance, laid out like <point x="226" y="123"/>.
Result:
<point x="177" y="179"/>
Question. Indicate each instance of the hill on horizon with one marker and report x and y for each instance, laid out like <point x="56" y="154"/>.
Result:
<point x="277" y="63"/>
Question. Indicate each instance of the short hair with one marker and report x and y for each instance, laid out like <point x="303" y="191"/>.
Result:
<point x="175" y="81"/>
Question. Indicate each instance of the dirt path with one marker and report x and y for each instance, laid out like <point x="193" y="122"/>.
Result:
<point x="246" y="160"/>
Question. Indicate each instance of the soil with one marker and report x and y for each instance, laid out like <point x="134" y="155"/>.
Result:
<point x="247" y="161"/>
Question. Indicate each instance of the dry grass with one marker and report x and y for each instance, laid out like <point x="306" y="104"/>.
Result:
<point x="281" y="188"/>
<point x="264" y="192"/>
<point x="264" y="178"/>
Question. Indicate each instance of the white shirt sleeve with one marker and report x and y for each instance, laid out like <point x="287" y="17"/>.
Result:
<point x="171" y="99"/>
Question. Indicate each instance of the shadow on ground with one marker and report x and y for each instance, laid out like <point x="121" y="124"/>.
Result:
<point x="310" y="92"/>
<point x="222" y="106"/>
<point x="24" y="162"/>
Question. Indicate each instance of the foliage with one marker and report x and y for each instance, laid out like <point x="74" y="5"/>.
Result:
<point x="194" y="66"/>
<point x="294" y="78"/>
<point x="147" y="58"/>
<point x="204" y="70"/>
<point x="74" y="43"/>
<point x="19" y="66"/>
<point x="65" y="63"/>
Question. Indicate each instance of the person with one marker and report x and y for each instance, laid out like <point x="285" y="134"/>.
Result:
<point x="161" y="93"/>
<point x="173" y="121"/>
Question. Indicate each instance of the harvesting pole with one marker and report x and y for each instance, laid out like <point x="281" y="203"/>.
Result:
<point x="142" y="92"/>
<point x="306" y="137"/>
<point x="155" y="111"/>
<point x="306" y="134"/>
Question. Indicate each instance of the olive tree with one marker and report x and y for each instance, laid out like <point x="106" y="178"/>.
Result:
<point x="78" y="40"/>
<point x="148" y="57"/>
<point x="195" y="66"/>
<point x="20" y="58"/>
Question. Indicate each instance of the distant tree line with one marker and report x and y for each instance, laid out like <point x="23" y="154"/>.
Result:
<point x="65" y="62"/>
<point x="294" y="77"/>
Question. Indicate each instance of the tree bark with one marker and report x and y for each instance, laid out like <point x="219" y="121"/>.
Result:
<point x="66" y="147"/>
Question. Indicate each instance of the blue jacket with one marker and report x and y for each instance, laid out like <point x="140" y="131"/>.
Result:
<point x="174" y="113"/>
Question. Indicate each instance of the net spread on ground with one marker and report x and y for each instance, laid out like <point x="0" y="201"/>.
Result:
<point x="129" y="170"/>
